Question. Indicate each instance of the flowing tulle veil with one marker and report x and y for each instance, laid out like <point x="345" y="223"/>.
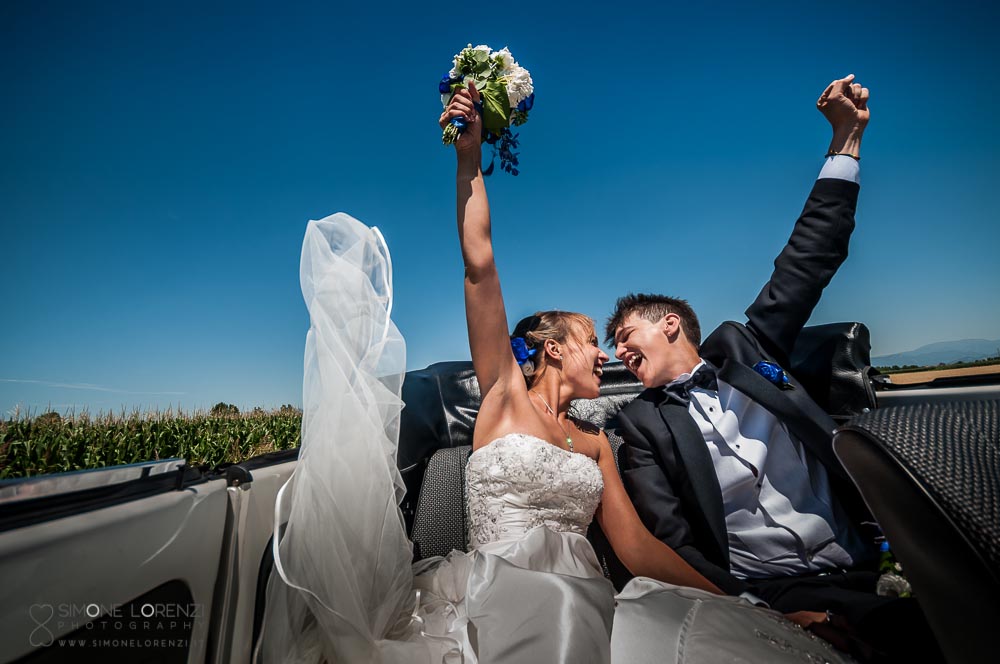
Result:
<point x="341" y="590"/>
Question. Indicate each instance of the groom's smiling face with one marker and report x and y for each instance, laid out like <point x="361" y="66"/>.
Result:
<point x="645" y="349"/>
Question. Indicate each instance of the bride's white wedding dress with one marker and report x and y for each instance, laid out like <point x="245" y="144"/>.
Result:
<point x="530" y="589"/>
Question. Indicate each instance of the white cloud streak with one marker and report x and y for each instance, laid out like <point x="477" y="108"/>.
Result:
<point x="87" y="386"/>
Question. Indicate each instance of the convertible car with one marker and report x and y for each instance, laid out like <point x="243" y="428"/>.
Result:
<point x="165" y="562"/>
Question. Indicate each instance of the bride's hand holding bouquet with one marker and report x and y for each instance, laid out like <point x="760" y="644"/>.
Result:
<point x="463" y="107"/>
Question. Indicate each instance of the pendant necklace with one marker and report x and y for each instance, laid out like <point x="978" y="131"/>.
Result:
<point x="569" y="441"/>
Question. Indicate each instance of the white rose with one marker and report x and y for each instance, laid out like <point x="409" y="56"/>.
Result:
<point x="519" y="85"/>
<point x="505" y="59"/>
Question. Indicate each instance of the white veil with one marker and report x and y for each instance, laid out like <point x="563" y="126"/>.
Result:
<point x="342" y="582"/>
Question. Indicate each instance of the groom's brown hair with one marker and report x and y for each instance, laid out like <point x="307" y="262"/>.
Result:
<point x="653" y="308"/>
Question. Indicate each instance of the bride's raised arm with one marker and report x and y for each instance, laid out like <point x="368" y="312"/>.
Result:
<point x="484" y="308"/>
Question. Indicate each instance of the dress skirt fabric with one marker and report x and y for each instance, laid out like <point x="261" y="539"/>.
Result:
<point x="658" y="623"/>
<point x="541" y="598"/>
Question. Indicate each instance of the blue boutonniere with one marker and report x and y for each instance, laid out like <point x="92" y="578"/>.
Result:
<point x="773" y="373"/>
<point x="521" y="351"/>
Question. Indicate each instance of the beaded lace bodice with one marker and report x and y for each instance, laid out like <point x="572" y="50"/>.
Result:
<point x="518" y="482"/>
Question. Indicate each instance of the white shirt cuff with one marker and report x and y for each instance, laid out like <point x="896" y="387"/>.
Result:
<point x="841" y="167"/>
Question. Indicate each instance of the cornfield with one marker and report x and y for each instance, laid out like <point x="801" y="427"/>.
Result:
<point x="54" y="444"/>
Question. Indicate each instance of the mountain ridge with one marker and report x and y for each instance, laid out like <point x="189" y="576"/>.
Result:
<point x="942" y="352"/>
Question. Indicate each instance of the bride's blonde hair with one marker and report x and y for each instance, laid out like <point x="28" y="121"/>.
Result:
<point x="542" y="326"/>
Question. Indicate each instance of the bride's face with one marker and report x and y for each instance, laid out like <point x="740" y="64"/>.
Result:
<point x="583" y="362"/>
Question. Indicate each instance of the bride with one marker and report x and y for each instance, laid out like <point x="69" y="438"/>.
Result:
<point x="531" y="588"/>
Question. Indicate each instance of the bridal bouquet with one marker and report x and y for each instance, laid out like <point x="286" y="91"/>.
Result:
<point x="507" y="96"/>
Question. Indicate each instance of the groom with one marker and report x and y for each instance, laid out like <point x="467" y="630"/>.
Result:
<point x="735" y="470"/>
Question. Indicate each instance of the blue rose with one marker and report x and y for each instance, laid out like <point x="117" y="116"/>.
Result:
<point x="773" y="373"/>
<point x="444" y="87"/>
<point x="527" y="103"/>
<point x="521" y="350"/>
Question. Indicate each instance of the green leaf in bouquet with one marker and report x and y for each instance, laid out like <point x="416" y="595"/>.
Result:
<point x="474" y="63"/>
<point x="482" y="59"/>
<point x="496" y="106"/>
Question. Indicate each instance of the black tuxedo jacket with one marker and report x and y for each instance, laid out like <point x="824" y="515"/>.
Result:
<point x="667" y="467"/>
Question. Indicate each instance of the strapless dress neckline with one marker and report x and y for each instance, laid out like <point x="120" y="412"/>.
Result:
<point x="529" y="437"/>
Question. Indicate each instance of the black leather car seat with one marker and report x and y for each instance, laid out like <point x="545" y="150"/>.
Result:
<point x="930" y="474"/>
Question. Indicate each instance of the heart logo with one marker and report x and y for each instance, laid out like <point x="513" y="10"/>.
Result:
<point x="41" y="636"/>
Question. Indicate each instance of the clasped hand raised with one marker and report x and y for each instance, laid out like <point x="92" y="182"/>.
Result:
<point x="845" y="104"/>
<point x="463" y="105"/>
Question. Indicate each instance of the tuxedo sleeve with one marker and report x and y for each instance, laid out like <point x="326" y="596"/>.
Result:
<point x="659" y="508"/>
<point x="814" y="252"/>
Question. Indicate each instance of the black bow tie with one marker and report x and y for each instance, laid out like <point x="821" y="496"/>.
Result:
<point x="704" y="378"/>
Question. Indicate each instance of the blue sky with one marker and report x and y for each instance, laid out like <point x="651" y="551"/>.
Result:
<point x="161" y="160"/>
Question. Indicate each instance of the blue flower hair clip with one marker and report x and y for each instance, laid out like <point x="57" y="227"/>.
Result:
<point x="521" y="351"/>
<point x="773" y="373"/>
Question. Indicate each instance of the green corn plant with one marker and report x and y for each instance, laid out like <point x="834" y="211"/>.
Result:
<point x="50" y="443"/>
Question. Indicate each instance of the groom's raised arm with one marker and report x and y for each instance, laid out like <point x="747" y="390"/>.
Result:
<point x="819" y="242"/>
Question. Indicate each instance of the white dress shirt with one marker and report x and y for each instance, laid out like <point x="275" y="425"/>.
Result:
<point x="780" y="515"/>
